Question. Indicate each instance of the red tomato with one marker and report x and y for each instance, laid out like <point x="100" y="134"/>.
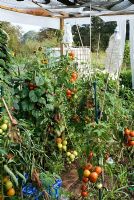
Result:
<point x="84" y="194"/>
<point x="69" y="96"/>
<point x="72" y="80"/>
<point x="83" y="187"/>
<point x="31" y="87"/>
<point x="132" y="133"/>
<point x="74" y="75"/>
<point x="98" y="170"/>
<point x="85" y="180"/>
<point x="68" y="92"/>
<point x="127" y="131"/>
<point x="131" y="143"/>
<point x="93" y="177"/>
<point x="71" y="54"/>
<point x="90" y="155"/>
<point x="88" y="166"/>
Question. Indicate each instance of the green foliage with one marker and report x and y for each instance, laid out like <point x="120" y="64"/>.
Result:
<point x="126" y="78"/>
<point x="45" y="112"/>
<point x="5" y="56"/>
<point x="98" y="27"/>
<point x="126" y="59"/>
<point x="14" y="33"/>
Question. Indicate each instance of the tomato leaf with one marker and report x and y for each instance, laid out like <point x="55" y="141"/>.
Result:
<point x="24" y="105"/>
<point x="33" y="96"/>
<point x="39" y="80"/>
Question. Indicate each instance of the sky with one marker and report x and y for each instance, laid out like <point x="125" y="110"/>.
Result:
<point x="26" y="28"/>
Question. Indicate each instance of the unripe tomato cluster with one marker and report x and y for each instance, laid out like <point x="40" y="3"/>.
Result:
<point x="129" y="137"/>
<point x="90" y="173"/>
<point x="4" y="125"/>
<point x="62" y="145"/>
<point x="71" y="156"/>
<point x="10" y="191"/>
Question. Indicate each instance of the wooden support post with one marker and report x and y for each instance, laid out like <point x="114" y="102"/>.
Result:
<point x="62" y="29"/>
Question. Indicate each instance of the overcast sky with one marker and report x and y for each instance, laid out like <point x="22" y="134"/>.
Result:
<point x="26" y="28"/>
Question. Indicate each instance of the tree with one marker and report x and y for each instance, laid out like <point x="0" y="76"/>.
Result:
<point x="14" y="33"/>
<point x="30" y="35"/>
<point x="98" y="27"/>
<point x="49" y="34"/>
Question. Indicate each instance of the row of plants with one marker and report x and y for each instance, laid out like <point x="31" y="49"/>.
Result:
<point x="56" y="130"/>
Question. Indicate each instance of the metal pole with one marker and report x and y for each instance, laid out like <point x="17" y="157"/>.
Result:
<point x="95" y="101"/>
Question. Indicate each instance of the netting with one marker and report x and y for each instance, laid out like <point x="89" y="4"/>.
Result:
<point x="82" y="57"/>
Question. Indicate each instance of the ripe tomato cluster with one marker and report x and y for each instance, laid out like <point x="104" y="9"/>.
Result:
<point x="90" y="173"/>
<point x="129" y="136"/>
<point x="74" y="77"/>
<point x="70" y="93"/>
<point x="71" y="55"/>
<point x="32" y="86"/>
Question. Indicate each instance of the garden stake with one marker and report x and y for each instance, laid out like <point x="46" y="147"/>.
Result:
<point x="95" y="101"/>
<point x="1" y="94"/>
<point x="100" y="194"/>
<point x="14" y="122"/>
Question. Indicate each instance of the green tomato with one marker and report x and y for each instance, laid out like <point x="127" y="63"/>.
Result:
<point x="72" y="157"/>
<point x="59" y="145"/>
<point x="4" y="127"/>
<point x="99" y="185"/>
<point x="64" y="147"/>
<point x="64" y="143"/>
<point x="75" y="153"/>
<point x="8" y="185"/>
<point x="58" y="133"/>
<point x="1" y="131"/>
<point x="68" y="153"/>
<point x="6" y="121"/>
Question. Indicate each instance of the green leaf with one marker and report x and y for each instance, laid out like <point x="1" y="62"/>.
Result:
<point x="24" y="93"/>
<point x="50" y="107"/>
<point x="39" y="80"/>
<point x="50" y="98"/>
<point x="2" y="151"/>
<point x="33" y="96"/>
<point x="31" y="106"/>
<point x="42" y="101"/>
<point x="2" y="63"/>
<point x="16" y="106"/>
<point x="24" y="105"/>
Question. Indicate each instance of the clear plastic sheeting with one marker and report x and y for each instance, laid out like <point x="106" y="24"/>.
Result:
<point x="68" y="37"/>
<point x="132" y="49"/>
<point x="14" y="17"/>
<point x="19" y="4"/>
<point x="78" y="21"/>
<point x="115" y="50"/>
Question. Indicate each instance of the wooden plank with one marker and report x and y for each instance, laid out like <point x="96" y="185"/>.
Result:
<point x="35" y="12"/>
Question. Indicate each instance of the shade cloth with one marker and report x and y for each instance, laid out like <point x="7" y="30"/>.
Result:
<point x="132" y="49"/>
<point x="21" y="18"/>
<point x="115" y="50"/>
